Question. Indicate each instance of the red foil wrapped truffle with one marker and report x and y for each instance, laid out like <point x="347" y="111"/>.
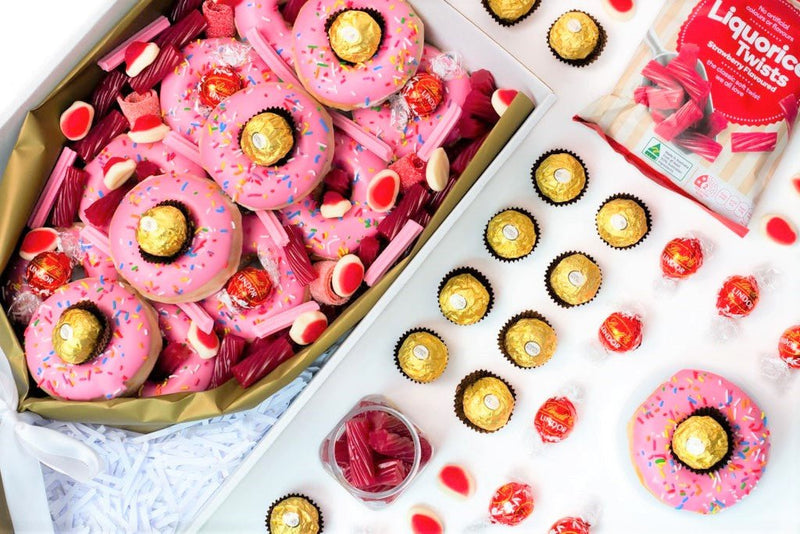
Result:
<point x="682" y="257"/>
<point x="218" y="84"/>
<point x="511" y="504"/>
<point x="249" y="287"/>
<point x="570" y="525"/>
<point x="738" y="296"/>
<point x="555" y="419"/>
<point x="621" y="332"/>
<point x="48" y="271"/>
<point x="789" y="346"/>
<point x="423" y="93"/>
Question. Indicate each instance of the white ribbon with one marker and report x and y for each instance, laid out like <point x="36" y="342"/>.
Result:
<point x="23" y="447"/>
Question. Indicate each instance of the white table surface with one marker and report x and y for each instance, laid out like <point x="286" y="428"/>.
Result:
<point x="592" y="464"/>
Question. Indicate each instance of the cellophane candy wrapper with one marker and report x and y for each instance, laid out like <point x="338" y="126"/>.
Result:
<point x="619" y="333"/>
<point x="555" y="419"/>
<point x="680" y="259"/>
<point x="581" y="523"/>
<point x="706" y="107"/>
<point x="779" y="366"/>
<point x="738" y="297"/>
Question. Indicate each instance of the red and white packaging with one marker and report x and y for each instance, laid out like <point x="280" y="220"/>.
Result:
<point x="707" y="106"/>
<point x="680" y="259"/>
<point x="620" y="332"/>
<point x="555" y="419"/>
<point x="738" y="296"/>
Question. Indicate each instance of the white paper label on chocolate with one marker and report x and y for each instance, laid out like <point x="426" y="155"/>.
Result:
<point x="491" y="402"/>
<point x="421" y="352"/>
<point x="291" y="519"/>
<point x="576" y="278"/>
<point x="65" y="332"/>
<point x="695" y="446"/>
<point x="148" y="224"/>
<point x="510" y="232"/>
<point x="574" y="25"/>
<point x="259" y="141"/>
<point x="459" y="302"/>
<point x="532" y="348"/>
<point x="618" y="221"/>
<point x="563" y="176"/>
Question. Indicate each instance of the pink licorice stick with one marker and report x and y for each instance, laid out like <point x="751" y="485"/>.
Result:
<point x="274" y="227"/>
<point x="392" y="253"/>
<point x="51" y="188"/>
<point x="114" y="59"/>
<point x="283" y="320"/>
<point x="198" y="315"/>
<point x="440" y="132"/>
<point x="182" y="146"/>
<point x="362" y="137"/>
<point x="270" y="56"/>
<point x="753" y="141"/>
<point x="98" y="239"/>
<point x="790" y="110"/>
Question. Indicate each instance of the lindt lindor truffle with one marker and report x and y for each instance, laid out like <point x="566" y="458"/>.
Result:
<point x="511" y="504"/>
<point x="48" y="271"/>
<point x="484" y="402"/>
<point x="421" y="355"/>
<point x="559" y="177"/>
<point x="703" y="441"/>
<point x="268" y="138"/>
<point x="527" y="340"/>
<point x="511" y="234"/>
<point x="81" y="333"/>
<point x="573" y="279"/>
<point x="355" y="35"/>
<point x="623" y="221"/>
<point x="556" y="417"/>
<point x="510" y="12"/>
<point x="164" y="232"/>
<point x="576" y="38"/>
<point x="294" y="514"/>
<point x="682" y="257"/>
<point x="621" y="332"/>
<point x="465" y="296"/>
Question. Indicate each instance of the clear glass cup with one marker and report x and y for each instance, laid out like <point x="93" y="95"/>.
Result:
<point x="422" y="454"/>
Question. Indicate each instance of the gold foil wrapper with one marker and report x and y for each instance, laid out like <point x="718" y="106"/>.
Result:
<point x="488" y="403"/>
<point x="574" y="36"/>
<point x="294" y="515"/>
<point x="511" y="234"/>
<point x="77" y="335"/>
<point x="267" y="138"/>
<point x="511" y="10"/>
<point x="422" y="356"/>
<point x="355" y="36"/>
<point x="575" y="279"/>
<point x="530" y="342"/>
<point x="622" y="222"/>
<point x="464" y="299"/>
<point x="560" y="177"/>
<point x="700" y="442"/>
<point x="162" y="231"/>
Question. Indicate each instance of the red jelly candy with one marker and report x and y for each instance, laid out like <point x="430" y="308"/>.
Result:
<point x="555" y="419"/>
<point x="737" y="297"/>
<point x="681" y="257"/>
<point x="621" y="332"/>
<point x="789" y="346"/>
<point x="511" y="504"/>
<point x="218" y="84"/>
<point x="249" y="287"/>
<point x="48" y="271"/>
<point x="570" y="525"/>
<point x="423" y="93"/>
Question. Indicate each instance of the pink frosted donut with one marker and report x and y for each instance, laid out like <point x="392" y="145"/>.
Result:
<point x="287" y="292"/>
<point x="195" y="374"/>
<point x="266" y="17"/>
<point x="122" y="147"/>
<point x="96" y="262"/>
<point x="408" y="139"/>
<point x="267" y="188"/>
<point x="128" y="357"/>
<point x="343" y="86"/>
<point x="333" y="238"/>
<point x="214" y="250"/>
<point x="650" y="434"/>
<point x="181" y="102"/>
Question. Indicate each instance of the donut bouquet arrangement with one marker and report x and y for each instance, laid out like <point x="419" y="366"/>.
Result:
<point x="239" y="183"/>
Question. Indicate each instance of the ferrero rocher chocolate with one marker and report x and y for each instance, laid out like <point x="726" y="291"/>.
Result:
<point x="560" y="177"/>
<point x="422" y="356"/>
<point x="423" y="93"/>
<point x="488" y="403"/>
<point x="575" y="279"/>
<point x="530" y="342"/>
<point x="700" y="442"/>
<point x="510" y="10"/>
<point x="464" y="299"/>
<point x="294" y="515"/>
<point x="574" y="36"/>
<point x="162" y="231"/>
<point x="78" y="334"/>
<point x="218" y="84"/>
<point x="622" y="222"/>
<point x="355" y="36"/>
<point x="511" y="234"/>
<point x="267" y="138"/>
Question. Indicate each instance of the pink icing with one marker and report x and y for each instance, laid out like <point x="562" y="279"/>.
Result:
<point x="651" y="432"/>
<point x="214" y="252"/>
<point x="332" y="238"/>
<point x="287" y="292"/>
<point x="378" y="120"/>
<point x="180" y="100"/>
<point x="357" y="86"/>
<point x="266" y="188"/>
<point x="122" y="147"/>
<point x="195" y="374"/>
<point x="123" y="365"/>
<point x="96" y="261"/>
<point x="266" y="17"/>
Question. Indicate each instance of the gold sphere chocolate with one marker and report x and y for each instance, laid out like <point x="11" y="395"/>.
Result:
<point x="294" y="515"/>
<point x="574" y="36"/>
<point x="560" y="177"/>
<point x="530" y="342"/>
<point x="267" y="138"/>
<point x="464" y="299"/>
<point x="700" y="442"/>
<point x="511" y="234"/>
<point x="510" y="10"/>
<point x="422" y="356"/>
<point x="622" y="222"/>
<point x="162" y="231"/>
<point x="488" y="403"/>
<point x="575" y="279"/>
<point x="77" y="335"/>
<point x="355" y="36"/>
